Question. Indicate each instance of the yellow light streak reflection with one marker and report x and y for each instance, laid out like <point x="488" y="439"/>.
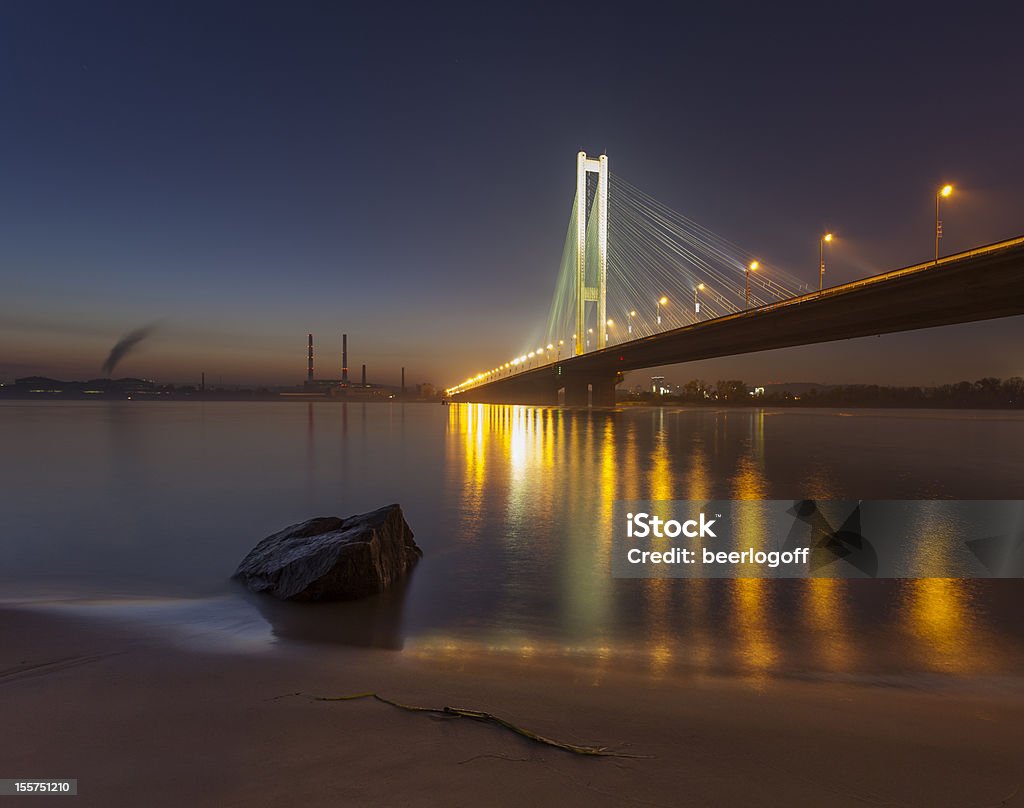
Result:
<point x="826" y="616"/>
<point x="941" y="618"/>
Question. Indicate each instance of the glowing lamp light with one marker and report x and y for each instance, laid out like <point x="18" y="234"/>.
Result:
<point x="828" y="237"/>
<point x="946" y="190"/>
<point x="663" y="301"/>
<point x="754" y="265"/>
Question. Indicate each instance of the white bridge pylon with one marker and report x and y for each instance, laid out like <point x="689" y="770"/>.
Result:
<point x="584" y="293"/>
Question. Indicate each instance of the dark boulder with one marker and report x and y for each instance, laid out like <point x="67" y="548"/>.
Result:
<point x="328" y="558"/>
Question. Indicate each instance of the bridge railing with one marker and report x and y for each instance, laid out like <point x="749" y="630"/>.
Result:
<point x="896" y="273"/>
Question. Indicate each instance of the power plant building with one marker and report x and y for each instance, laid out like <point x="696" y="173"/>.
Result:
<point x="341" y="388"/>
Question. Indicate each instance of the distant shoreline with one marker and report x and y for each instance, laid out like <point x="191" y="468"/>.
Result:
<point x="988" y="393"/>
<point x="629" y="404"/>
<point x="225" y="396"/>
<point x="821" y="405"/>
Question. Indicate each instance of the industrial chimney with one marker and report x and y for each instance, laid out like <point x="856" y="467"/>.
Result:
<point x="403" y="381"/>
<point x="309" y="372"/>
<point x="364" y="375"/>
<point x="344" y="358"/>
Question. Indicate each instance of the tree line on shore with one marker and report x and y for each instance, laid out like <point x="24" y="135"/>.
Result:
<point x="990" y="392"/>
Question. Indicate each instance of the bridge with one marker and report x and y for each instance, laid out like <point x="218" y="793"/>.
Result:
<point x="656" y="257"/>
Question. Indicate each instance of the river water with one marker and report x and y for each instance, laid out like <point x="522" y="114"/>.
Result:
<point x="143" y="510"/>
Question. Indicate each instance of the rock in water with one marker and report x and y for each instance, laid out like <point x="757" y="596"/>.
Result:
<point x="333" y="559"/>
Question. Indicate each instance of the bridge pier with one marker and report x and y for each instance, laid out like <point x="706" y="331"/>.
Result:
<point x="577" y="394"/>
<point x="602" y="392"/>
<point x="591" y="392"/>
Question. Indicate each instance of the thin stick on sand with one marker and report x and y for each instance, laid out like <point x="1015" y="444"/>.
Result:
<point x="478" y="715"/>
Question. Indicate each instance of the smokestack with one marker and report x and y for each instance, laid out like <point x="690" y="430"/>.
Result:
<point x="309" y="373"/>
<point x="403" y="381"/>
<point x="344" y="358"/>
<point x="202" y="384"/>
<point x="364" y="375"/>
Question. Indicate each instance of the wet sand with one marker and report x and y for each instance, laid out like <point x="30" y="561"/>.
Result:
<point x="142" y="721"/>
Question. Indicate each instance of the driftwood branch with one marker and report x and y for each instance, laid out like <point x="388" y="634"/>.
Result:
<point x="478" y="715"/>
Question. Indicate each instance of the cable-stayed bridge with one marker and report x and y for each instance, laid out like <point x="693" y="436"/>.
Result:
<point x="640" y="285"/>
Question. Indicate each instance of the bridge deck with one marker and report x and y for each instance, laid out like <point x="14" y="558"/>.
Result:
<point x="980" y="284"/>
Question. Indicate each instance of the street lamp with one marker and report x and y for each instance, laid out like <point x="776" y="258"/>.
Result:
<point x="610" y="323"/>
<point x="825" y="239"/>
<point x="753" y="267"/>
<point x="632" y="314"/>
<point x="944" y="191"/>
<point x="696" y="306"/>
<point x="661" y="302"/>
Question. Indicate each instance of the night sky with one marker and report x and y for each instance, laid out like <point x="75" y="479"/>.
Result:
<point x="241" y="174"/>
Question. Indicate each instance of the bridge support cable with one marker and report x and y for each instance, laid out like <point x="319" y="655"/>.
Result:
<point x="561" y="323"/>
<point x="657" y="253"/>
<point x="632" y="267"/>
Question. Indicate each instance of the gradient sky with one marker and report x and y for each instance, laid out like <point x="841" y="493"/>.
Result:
<point x="244" y="173"/>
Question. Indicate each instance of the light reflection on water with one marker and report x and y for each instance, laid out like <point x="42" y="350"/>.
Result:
<point x="512" y="506"/>
<point x="752" y="627"/>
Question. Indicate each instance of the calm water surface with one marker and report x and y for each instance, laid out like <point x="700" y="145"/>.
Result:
<point x="147" y="508"/>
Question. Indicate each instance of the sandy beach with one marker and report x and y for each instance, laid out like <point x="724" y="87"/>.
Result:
<point x="142" y="720"/>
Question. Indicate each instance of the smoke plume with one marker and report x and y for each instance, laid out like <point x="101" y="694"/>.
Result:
<point x="125" y="346"/>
